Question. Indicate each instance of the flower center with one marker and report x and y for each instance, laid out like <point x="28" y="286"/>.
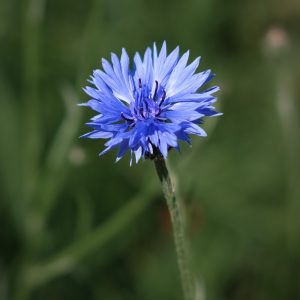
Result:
<point x="147" y="105"/>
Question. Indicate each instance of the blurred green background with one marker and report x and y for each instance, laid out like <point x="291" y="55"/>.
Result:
<point x="76" y="226"/>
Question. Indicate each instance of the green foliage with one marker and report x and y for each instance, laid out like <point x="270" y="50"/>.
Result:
<point x="76" y="226"/>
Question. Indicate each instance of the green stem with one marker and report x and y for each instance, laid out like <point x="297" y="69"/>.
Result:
<point x="187" y="279"/>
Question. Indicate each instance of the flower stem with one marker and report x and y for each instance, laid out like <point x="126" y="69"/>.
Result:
<point x="187" y="279"/>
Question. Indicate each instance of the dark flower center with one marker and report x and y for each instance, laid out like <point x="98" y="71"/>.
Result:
<point x="146" y="106"/>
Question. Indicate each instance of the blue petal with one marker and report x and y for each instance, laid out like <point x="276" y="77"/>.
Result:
<point x="118" y="77"/>
<point x="158" y="61"/>
<point x="190" y="85"/>
<point x="114" y="141"/>
<point x="170" y="138"/>
<point x="105" y="150"/>
<point x="93" y="104"/>
<point x="144" y="69"/>
<point x="108" y="127"/>
<point x="97" y="135"/>
<point x="191" y="128"/>
<point x="169" y="65"/>
<point x="153" y="136"/>
<point x="181" y="75"/>
<point x="163" y="64"/>
<point x="163" y="146"/>
<point x="204" y="96"/>
<point x="178" y="116"/>
<point x="183" y="136"/>
<point x="123" y="149"/>
<point x="94" y="93"/>
<point x="138" y="154"/>
<point x="209" y="112"/>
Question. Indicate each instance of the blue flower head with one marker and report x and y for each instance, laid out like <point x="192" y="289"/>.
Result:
<point x="148" y="110"/>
